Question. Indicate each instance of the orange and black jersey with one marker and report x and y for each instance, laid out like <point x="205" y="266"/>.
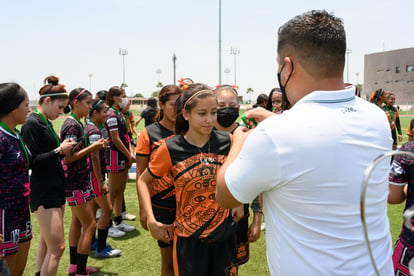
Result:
<point x="161" y="190"/>
<point x="194" y="172"/>
<point x="393" y="116"/>
<point x="151" y="138"/>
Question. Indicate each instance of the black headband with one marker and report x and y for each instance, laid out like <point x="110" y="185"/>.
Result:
<point x="11" y="96"/>
<point x="95" y="106"/>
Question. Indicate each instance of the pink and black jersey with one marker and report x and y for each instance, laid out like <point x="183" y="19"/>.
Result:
<point x="14" y="176"/>
<point x="115" y="121"/>
<point x="77" y="173"/>
<point x="402" y="173"/>
<point x="93" y="134"/>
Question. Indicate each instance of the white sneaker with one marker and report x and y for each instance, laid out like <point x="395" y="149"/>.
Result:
<point x="263" y="227"/>
<point x="98" y="213"/>
<point x="115" y="232"/>
<point x="108" y="252"/>
<point x="124" y="227"/>
<point x="128" y="216"/>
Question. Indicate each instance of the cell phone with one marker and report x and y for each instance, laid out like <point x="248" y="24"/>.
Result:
<point x="244" y="119"/>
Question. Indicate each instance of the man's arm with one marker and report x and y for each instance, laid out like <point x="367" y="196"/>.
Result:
<point x="223" y="196"/>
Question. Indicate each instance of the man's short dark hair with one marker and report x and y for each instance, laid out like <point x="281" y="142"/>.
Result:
<point x="317" y="39"/>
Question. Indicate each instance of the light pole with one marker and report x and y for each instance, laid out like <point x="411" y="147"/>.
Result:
<point x="250" y="92"/>
<point x="235" y="52"/>
<point x="90" y="82"/>
<point x="123" y="53"/>
<point x="174" y="59"/>
<point x="227" y="71"/>
<point x="348" y="51"/>
<point x="158" y="72"/>
<point x="219" y="42"/>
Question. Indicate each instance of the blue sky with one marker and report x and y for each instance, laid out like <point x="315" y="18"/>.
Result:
<point x="72" y="39"/>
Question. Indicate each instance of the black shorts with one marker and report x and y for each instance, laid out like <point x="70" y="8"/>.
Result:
<point x="166" y="216"/>
<point x="200" y="257"/>
<point x="47" y="194"/>
<point x="47" y="201"/>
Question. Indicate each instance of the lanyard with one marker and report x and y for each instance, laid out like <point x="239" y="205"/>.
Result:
<point x="80" y="124"/>
<point x="49" y="126"/>
<point x="127" y="116"/>
<point x="122" y="116"/>
<point x="92" y="122"/>
<point x="26" y="154"/>
<point x="391" y="113"/>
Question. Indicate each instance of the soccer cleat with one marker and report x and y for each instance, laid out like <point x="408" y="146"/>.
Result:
<point x="90" y="270"/>
<point x="115" y="232"/>
<point x="128" y="216"/>
<point x="124" y="227"/>
<point x="94" y="245"/>
<point x="107" y="252"/>
<point x="98" y="213"/>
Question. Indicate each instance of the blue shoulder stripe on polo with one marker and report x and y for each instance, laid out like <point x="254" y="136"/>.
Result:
<point x="331" y="101"/>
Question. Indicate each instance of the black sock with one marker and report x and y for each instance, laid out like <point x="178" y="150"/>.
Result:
<point x="93" y="238"/>
<point x="102" y="236"/>
<point x="37" y="273"/>
<point x="73" y="253"/>
<point x="123" y="204"/>
<point x="118" y="220"/>
<point x="82" y="260"/>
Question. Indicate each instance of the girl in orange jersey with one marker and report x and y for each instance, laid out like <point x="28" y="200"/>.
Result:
<point x="161" y="190"/>
<point x="204" y="239"/>
<point x="393" y="118"/>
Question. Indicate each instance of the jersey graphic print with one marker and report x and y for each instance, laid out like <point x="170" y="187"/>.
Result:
<point x="196" y="190"/>
<point x="198" y="214"/>
<point x="76" y="173"/>
<point x="116" y="122"/>
<point x="14" y="178"/>
<point x="93" y="134"/>
<point x="402" y="170"/>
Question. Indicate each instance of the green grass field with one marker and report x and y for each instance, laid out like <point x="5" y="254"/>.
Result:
<point x="141" y="254"/>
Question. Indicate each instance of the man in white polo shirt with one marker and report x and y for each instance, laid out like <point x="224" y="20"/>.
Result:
<point x="309" y="162"/>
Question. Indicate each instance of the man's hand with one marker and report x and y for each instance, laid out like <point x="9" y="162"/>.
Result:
<point x="259" y="114"/>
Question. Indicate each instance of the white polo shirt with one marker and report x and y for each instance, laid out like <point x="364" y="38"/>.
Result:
<point x="309" y="163"/>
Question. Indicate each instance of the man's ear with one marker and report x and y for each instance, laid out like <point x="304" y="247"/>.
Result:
<point x="288" y="67"/>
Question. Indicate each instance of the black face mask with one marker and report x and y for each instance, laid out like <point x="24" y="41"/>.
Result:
<point x="227" y="115"/>
<point x="286" y="103"/>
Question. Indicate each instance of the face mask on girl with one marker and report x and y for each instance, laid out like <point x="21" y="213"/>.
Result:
<point x="123" y="103"/>
<point x="227" y="115"/>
